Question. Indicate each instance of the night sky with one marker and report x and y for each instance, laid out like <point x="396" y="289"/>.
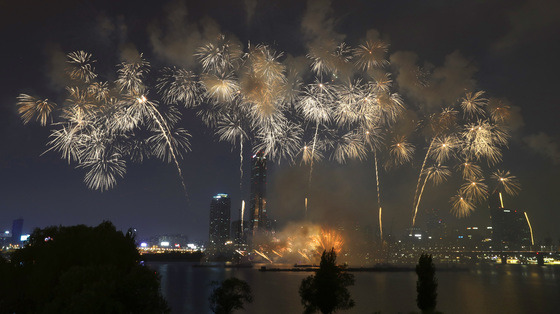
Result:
<point x="508" y="48"/>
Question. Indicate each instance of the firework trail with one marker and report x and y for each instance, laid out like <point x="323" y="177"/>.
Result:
<point x="130" y="82"/>
<point x="440" y="149"/>
<point x="415" y="202"/>
<point x="437" y="174"/>
<point x="305" y="256"/>
<point x="242" y="216"/>
<point x="306" y="208"/>
<point x="165" y="132"/>
<point x="316" y="106"/>
<point x="530" y="229"/>
<point x="263" y="255"/>
<point x="438" y="124"/>
<point x="378" y="196"/>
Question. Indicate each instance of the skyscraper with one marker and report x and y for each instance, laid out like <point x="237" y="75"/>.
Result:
<point x="259" y="218"/>
<point x="510" y="229"/>
<point x="239" y="230"/>
<point x="220" y="218"/>
<point x="17" y="228"/>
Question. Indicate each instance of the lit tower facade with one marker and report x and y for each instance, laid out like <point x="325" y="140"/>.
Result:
<point x="220" y="218"/>
<point x="259" y="218"/>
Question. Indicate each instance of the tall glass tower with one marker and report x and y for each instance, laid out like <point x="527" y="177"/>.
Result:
<point x="220" y="218"/>
<point x="259" y="218"/>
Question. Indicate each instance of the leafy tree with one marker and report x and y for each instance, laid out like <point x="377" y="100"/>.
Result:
<point x="79" y="269"/>
<point x="426" y="286"/>
<point x="327" y="291"/>
<point x="230" y="295"/>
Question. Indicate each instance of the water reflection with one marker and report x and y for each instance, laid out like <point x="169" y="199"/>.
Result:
<point x="484" y="289"/>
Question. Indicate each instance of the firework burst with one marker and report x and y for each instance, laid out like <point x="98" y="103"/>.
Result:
<point x="400" y="152"/>
<point x="179" y="86"/>
<point x="470" y="171"/>
<point x="505" y="182"/>
<point x="371" y="54"/>
<point x="475" y="190"/>
<point x="30" y="107"/>
<point x="473" y="104"/>
<point x="96" y="127"/>
<point x="461" y="206"/>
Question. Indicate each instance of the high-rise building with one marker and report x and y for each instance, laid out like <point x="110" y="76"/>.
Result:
<point x="436" y="228"/>
<point x="259" y="217"/>
<point x="17" y="228"/>
<point x="238" y="235"/>
<point x="239" y="230"/>
<point x="510" y="229"/>
<point x="220" y="218"/>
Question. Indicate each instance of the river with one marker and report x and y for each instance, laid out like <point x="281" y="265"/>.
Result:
<point x="482" y="289"/>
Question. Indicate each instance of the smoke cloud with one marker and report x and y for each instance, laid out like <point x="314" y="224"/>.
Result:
<point x="175" y="40"/>
<point x="56" y="67"/>
<point x="544" y="145"/>
<point x="533" y="19"/>
<point x="318" y="25"/>
<point x="431" y="86"/>
<point x="250" y="7"/>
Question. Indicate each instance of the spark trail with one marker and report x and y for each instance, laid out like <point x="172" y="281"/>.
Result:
<point x="165" y="131"/>
<point x="415" y="203"/>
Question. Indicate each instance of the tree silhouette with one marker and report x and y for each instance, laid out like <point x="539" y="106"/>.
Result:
<point x="327" y="290"/>
<point x="230" y="295"/>
<point x="79" y="269"/>
<point x="426" y="286"/>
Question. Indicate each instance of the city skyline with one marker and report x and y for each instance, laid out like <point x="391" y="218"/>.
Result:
<point x="502" y="57"/>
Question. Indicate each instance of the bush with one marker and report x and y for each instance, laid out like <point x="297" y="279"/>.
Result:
<point x="79" y="269"/>
<point x="230" y="295"/>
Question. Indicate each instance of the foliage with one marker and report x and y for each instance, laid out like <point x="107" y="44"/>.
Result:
<point x="79" y="269"/>
<point x="230" y="295"/>
<point x="426" y="286"/>
<point x="327" y="291"/>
